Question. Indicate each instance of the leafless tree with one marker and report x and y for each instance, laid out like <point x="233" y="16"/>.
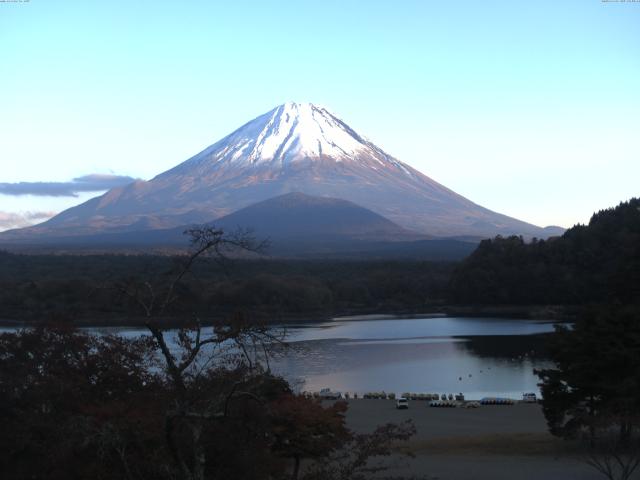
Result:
<point x="613" y="457"/>
<point x="198" y="352"/>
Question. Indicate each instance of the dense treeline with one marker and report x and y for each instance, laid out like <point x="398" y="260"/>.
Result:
<point x="591" y="393"/>
<point x="85" y="288"/>
<point x="596" y="263"/>
<point x="595" y="381"/>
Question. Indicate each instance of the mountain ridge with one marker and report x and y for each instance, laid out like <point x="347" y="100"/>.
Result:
<point x="294" y="147"/>
<point x="295" y="225"/>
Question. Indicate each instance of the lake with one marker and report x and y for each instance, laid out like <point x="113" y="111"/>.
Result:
<point x="425" y="354"/>
<point x="476" y="356"/>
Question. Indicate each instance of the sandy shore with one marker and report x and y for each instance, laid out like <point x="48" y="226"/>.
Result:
<point x="490" y="442"/>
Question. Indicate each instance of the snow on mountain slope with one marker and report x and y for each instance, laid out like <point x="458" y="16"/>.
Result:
<point x="293" y="148"/>
<point x="289" y="134"/>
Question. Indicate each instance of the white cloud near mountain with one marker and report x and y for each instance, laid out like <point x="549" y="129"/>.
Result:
<point x="9" y="220"/>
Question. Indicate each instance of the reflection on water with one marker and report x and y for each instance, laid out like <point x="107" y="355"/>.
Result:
<point x="479" y="357"/>
<point x="509" y="347"/>
<point x="417" y="328"/>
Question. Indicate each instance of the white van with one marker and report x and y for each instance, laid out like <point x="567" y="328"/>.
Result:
<point x="328" y="394"/>
<point x="402" y="403"/>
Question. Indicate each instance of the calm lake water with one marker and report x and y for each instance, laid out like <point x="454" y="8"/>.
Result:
<point x="476" y="356"/>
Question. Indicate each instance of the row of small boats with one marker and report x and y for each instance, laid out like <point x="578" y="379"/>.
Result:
<point x="434" y="396"/>
<point x="496" y="401"/>
<point x="329" y="394"/>
<point x="437" y="400"/>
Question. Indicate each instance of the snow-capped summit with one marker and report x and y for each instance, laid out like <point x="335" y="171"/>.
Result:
<point x="292" y="132"/>
<point x="296" y="147"/>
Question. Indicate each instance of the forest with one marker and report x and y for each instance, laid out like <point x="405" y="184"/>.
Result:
<point x="598" y="263"/>
<point x="86" y="289"/>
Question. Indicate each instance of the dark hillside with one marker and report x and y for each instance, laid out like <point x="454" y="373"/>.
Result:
<point x="296" y="225"/>
<point x="594" y="263"/>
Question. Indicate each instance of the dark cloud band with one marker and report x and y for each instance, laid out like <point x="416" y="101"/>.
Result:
<point x="86" y="183"/>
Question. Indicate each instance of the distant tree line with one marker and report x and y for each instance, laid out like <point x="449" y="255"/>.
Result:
<point x="44" y="287"/>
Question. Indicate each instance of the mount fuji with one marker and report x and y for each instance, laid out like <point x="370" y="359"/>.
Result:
<point x="296" y="147"/>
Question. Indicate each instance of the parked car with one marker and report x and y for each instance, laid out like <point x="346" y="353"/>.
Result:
<point x="402" y="403"/>
<point x="529" y="398"/>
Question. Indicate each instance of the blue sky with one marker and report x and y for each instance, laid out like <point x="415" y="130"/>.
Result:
<point x="528" y="108"/>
